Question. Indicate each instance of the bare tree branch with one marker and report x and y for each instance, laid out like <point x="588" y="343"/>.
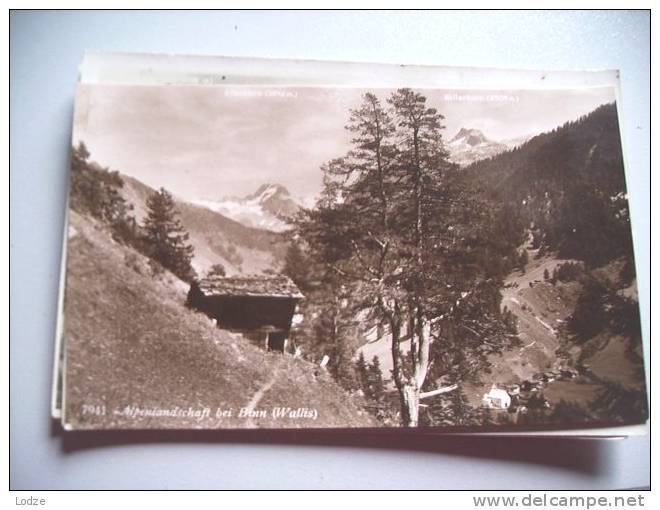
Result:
<point x="439" y="391"/>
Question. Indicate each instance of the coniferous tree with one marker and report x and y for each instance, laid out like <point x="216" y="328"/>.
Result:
<point x="86" y="191"/>
<point x="334" y="330"/>
<point x="299" y="267"/>
<point x="330" y="327"/>
<point x="376" y="383"/>
<point x="463" y="413"/>
<point x="417" y="249"/>
<point x="570" y="184"/>
<point x="363" y="374"/>
<point x="166" y="239"/>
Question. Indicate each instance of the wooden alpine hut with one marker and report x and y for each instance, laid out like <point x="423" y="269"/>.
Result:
<point x="261" y="307"/>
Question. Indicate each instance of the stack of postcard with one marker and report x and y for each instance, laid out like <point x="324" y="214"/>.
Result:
<point x="283" y="244"/>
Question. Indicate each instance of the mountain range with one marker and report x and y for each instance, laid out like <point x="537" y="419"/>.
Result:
<point x="271" y="205"/>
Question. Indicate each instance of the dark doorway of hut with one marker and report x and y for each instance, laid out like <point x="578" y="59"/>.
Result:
<point x="276" y="341"/>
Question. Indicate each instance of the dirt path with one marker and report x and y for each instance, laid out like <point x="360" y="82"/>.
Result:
<point x="259" y="394"/>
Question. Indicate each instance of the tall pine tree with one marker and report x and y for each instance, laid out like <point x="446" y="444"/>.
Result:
<point x="362" y="371"/>
<point x="166" y="239"/>
<point x="376" y="383"/>
<point x="399" y="229"/>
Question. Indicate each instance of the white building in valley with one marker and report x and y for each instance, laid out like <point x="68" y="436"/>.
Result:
<point x="496" y="398"/>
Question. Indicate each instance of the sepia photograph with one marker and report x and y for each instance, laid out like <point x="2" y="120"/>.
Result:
<point x="348" y="258"/>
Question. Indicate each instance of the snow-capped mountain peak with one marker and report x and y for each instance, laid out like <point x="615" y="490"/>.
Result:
<point x="470" y="137"/>
<point x="268" y="191"/>
<point x="268" y="207"/>
<point x="470" y="145"/>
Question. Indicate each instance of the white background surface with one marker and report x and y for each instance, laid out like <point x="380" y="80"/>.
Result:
<point x="46" y="48"/>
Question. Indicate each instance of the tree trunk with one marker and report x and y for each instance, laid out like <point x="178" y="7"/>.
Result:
<point x="408" y="395"/>
<point x="423" y="348"/>
<point x="407" y="387"/>
<point x="410" y="405"/>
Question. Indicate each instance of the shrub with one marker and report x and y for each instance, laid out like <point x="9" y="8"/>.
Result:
<point x="216" y="270"/>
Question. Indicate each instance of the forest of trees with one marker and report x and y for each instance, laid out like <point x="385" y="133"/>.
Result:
<point x="96" y="191"/>
<point x="569" y="184"/>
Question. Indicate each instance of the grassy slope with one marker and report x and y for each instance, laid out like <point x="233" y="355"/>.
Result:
<point x="130" y="341"/>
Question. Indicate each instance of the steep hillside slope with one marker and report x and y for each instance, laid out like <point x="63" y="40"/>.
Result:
<point x="216" y="238"/>
<point x="541" y="309"/>
<point x="133" y="347"/>
<point x="588" y="148"/>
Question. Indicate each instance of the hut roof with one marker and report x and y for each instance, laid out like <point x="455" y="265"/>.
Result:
<point x="258" y="286"/>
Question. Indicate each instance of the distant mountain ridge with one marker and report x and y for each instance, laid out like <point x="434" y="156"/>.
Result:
<point x="471" y="145"/>
<point x="268" y="207"/>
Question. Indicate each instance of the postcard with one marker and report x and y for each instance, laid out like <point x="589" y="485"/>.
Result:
<point x="337" y="256"/>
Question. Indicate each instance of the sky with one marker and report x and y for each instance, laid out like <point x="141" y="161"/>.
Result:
<point x="210" y="142"/>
